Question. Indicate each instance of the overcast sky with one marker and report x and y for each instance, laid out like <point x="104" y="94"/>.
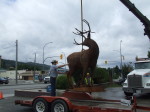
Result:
<point x="36" y="22"/>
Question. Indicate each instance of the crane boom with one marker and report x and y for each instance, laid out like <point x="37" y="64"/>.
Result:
<point x="139" y="15"/>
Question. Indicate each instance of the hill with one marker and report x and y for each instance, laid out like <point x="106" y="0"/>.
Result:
<point x="10" y="65"/>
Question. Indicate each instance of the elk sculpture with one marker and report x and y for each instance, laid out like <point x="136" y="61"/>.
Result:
<point x="84" y="60"/>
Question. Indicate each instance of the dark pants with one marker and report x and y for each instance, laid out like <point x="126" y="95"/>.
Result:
<point x="53" y="86"/>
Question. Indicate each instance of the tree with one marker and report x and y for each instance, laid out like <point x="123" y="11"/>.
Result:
<point x="116" y="72"/>
<point x="101" y="75"/>
<point x="126" y="68"/>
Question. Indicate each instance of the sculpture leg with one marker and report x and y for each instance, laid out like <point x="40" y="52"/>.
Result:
<point x="83" y="75"/>
<point x="92" y="74"/>
<point x="68" y="76"/>
<point x="69" y="79"/>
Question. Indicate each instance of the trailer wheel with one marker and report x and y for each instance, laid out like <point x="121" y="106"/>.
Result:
<point x="128" y="94"/>
<point x="59" y="106"/>
<point x="40" y="105"/>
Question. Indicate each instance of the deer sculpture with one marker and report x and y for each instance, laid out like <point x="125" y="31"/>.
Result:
<point x="84" y="60"/>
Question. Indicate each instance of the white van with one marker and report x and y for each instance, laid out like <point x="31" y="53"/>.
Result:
<point x="138" y="81"/>
<point x="47" y="79"/>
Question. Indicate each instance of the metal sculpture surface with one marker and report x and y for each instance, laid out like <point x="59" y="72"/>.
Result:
<point x="86" y="59"/>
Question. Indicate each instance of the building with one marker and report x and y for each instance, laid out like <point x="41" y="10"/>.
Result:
<point x="29" y="75"/>
<point x="10" y="73"/>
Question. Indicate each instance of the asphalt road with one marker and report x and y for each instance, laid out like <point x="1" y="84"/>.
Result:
<point x="8" y="90"/>
<point x="7" y="104"/>
<point x="118" y="94"/>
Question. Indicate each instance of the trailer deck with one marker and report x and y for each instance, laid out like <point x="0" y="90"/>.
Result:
<point x="83" y="102"/>
<point x="101" y="104"/>
<point x="87" y="105"/>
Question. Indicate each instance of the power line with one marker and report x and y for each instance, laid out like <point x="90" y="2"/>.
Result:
<point x="9" y="47"/>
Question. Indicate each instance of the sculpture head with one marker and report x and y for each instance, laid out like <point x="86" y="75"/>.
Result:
<point x="87" y="40"/>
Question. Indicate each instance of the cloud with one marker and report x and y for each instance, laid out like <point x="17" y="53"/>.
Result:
<point x="36" y="22"/>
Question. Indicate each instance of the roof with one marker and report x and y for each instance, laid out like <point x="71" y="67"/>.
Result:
<point x="142" y="61"/>
<point x="29" y="73"/>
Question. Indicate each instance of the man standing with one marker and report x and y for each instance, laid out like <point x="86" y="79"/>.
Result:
<point x="53" y="76"/>
<point x="88" y="80"/>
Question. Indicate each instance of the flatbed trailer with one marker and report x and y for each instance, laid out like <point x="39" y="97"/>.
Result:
<point x="79" y="102"/>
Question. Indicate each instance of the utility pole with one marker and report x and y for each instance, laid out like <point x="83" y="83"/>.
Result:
<point x="34" y="68"/>
<point x="16" y="61"/>
<point x="82" y="21"/>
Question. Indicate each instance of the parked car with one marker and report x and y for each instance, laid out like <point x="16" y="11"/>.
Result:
<point x="119" y="81"/>
<point x="4" y="80"/>
<point x="47" y="79"/>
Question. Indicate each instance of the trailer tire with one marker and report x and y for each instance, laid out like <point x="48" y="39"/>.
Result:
<point x="40" y="105"/>
<point x="128" y="94"/>
<point x="59" y="106"/>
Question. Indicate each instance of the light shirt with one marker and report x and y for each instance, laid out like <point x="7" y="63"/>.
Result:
<point x="53" y="71"/>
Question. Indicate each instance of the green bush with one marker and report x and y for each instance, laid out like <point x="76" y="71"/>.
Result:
<point x="101" y="75"/>
<point x="62" y="82"/>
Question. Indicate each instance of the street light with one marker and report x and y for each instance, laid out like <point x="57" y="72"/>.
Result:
<point x="43" y="52"/>
<point x="121" y="60"/>
<point x="49" y="57"/>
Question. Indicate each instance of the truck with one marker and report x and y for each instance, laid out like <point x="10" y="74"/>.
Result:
<point x="138" y="81"/>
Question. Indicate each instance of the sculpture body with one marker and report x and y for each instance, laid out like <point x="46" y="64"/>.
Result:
<point x="86" y="59"/>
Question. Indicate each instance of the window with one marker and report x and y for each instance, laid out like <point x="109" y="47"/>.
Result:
<point x="142" y="65"/>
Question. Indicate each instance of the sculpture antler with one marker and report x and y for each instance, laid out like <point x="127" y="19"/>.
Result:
<point x="87" y="24"/>
<point x="89" y="31"/>
<point x="77" y="43"/>
<point x="79" y="33"/>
